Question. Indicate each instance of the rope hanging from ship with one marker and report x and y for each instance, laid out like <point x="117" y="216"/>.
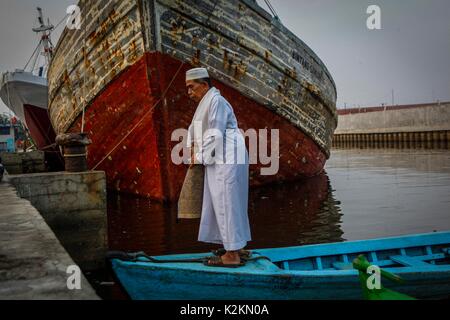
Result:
<point x="33" y="55"/>
<point x="272" y="9"/>
<point x="86" y="8"/>
<point x="142" y="119"/>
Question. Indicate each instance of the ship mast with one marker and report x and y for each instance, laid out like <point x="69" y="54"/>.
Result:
<point x="44" y="30"/>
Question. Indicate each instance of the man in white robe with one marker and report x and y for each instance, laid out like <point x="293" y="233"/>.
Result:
<point x="218" y="144"/>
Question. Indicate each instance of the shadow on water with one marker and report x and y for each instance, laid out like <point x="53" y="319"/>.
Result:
<point x="291" y="214"/>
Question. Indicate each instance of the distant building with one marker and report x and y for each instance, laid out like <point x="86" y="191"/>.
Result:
<point x="12" y="133"/>
<point x="7" y="137"/>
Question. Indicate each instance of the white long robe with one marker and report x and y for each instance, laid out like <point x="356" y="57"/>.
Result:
<point x="224" y="217"/>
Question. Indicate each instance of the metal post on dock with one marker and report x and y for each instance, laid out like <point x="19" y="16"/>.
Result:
<point x="74" y="151"/>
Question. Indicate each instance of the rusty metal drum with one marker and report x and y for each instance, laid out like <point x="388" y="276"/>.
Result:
<point x="74" y="147"/>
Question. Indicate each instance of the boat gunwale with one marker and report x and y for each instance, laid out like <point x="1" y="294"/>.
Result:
<point x="352" y="247"/>
<point x="293" y="281"/>
<point x="324" y="272"/>
<point x="149" y="266"/>
<point x="12" y="78"/>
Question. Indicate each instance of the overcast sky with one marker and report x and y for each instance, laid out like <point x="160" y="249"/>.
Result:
<point x="409" y="55"/>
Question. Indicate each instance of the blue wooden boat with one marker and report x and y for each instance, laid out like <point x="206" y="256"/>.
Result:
<point x="322" y="271"/>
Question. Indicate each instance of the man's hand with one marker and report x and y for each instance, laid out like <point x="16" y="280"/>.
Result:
<point x="193" y="160"/>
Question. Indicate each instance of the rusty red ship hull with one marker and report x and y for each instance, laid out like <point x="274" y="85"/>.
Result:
<point x="127" y="89"/>
<point x="41" y="129"/>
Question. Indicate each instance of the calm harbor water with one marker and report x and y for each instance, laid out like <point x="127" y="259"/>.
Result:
<point x="391" y="192"/>
<point x="363" y="194"/>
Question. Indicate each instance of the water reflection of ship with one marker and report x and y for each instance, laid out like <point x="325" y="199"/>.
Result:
<point x="296" y="213"/>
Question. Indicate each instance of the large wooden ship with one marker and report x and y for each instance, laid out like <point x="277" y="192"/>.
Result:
<point x="121" y="79"/>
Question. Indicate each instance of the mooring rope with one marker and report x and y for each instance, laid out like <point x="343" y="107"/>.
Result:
<point x="157" y="102"/>
<point x="272" y="9"/>
<point x="62" y="20"/>
<point x="85" y="9"/>
<point x="142" y="119"/>
<point x="33" y="54"/>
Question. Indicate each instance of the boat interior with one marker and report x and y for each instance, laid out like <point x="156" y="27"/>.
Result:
<point x="419" y="256"/>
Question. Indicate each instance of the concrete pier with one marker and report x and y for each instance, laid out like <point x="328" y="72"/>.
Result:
<point x="74" y="206"/>
<point x="24" y="162"/>
<point x="33" y="263"/>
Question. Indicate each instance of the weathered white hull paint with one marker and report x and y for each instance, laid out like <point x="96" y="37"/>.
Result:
<point x="21" y="88"/>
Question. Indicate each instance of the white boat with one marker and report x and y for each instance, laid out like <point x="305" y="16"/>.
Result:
<point x="26" y="93"/>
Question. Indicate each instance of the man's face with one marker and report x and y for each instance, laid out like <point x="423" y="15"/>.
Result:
<point x="196" y="90"/>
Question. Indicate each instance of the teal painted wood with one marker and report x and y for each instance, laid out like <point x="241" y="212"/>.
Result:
<point x="305" y="272"/>
<point x="355" y="247"/>
<point x="408" y="261"/>
<point x="342" y="265"/>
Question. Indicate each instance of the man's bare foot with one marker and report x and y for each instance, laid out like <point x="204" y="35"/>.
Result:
<point x="243" y="254"/>
<point x="231" y="257"/>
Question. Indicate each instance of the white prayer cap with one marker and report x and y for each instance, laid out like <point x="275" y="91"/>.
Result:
<point x="197" y="73"/>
